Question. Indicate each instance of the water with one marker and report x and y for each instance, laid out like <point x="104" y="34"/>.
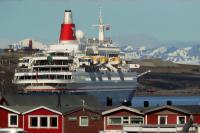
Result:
<point x="117" y="96"/>
<point x="138" y="101"/>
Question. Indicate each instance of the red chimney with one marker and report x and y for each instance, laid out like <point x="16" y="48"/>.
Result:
<point x="30" y="45"/>
<point x="67" y="32"/>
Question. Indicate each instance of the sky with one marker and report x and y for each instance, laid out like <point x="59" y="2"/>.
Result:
<point x="139" y="22"/>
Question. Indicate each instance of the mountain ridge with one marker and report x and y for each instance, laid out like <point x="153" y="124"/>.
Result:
<point x="185" y="55"/>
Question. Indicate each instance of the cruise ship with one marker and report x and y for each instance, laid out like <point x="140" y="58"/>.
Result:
<point x="93" y="67"/>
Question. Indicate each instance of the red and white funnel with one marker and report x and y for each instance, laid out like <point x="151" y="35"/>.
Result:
<point x="68" y="32"/>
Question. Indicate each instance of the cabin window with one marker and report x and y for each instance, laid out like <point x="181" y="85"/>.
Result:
<point x="136" y="120"/>
<point x="162" y="119"/>
<point x="114" y="121"/>
<point x="95" y="117"/>
<point x="125" y="120"/>
<point x="43" y="122"/>
<point x="13" y="120"/>
<point x="72" y="118"/>
<point x="53" y="122"/>
<point x="33" y="121"/>
<point x="181" y="119"/>
<point x="83" y="121"/>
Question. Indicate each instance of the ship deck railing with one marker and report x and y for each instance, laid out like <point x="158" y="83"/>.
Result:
<point x="40" y="71"/>
<point x="43" y="79"/>
<point x="51" y="65"/>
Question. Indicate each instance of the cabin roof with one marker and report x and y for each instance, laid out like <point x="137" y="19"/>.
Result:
<point x="166" y="107"/>
<point x="122" y="108"/>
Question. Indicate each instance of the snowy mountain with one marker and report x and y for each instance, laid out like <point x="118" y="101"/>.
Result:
<point x="187" y="55"/>
<point x="26" y="42"/>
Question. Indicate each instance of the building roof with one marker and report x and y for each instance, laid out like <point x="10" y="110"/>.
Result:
<point x="56" y="109"/>
<point x="187" y="109"/>
<point x="10" y="109"/>
<point x="64" y="109"/>
<point x="122" y="108"/>
<point x="42" y="107"/>
<point x="167" y="107"/>
<point x="70" y="109"/>
<point x="28" y="109"/>
<point x="50" y="100"/>
<point x="20" y="109"/>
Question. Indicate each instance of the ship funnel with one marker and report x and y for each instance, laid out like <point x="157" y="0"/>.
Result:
<point x="67" y="32"/>
<point x="68" y="17"/>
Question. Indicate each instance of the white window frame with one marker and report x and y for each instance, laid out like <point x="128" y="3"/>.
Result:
<point x="178" y="119"/>
<point x="72" y="118"/>
<point x="80" y="121"/>
<point x="160" y="117"/>
<point x="122" y="120"/>
<point x="38" y="120"/>
<point x="137" y="117"/>
<point x="29" y="121"/>
<point x="108" y="119"/>
<point x="9" y="120"/>
<point x="50" y="121"/>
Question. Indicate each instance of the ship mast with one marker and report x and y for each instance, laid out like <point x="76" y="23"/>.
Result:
<point x="101" y="27"/>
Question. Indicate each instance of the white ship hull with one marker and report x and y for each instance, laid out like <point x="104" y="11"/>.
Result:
<point x="81" y="82"/>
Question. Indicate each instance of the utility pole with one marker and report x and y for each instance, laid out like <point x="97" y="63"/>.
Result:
<point x="2" y="82"/>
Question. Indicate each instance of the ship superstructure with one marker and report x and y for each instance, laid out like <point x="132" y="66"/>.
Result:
<point x="102" y="46"/>
<point x="62" y="68"/>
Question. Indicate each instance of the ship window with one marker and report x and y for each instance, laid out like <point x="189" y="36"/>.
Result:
<point x="114" y="121"/>
<point x="65" y="68"/>
<point x="60" y="77"/>
<point x="43" y="77"/>
<point x="52" y="76"/>
<point x="65" y="63"/>
<point x="83" y="121"/>
<point x="22" y="77"/>
<point x="70" y="61"/>
<point x="66" y="54"/>
<point x="68" y="76"/>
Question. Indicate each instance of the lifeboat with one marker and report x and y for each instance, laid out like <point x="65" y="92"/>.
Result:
<point x="115" y="60"/>
<point x="85" y="60"/>
<point x="103" y="59"/>
<point x="95" y="59"/>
